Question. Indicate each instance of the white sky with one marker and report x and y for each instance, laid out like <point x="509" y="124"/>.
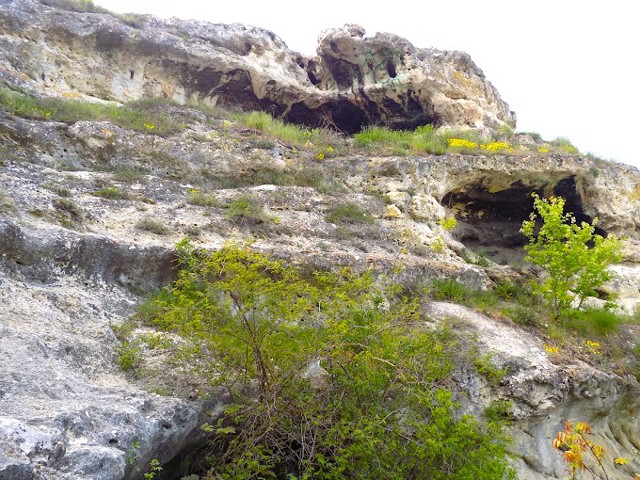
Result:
<point x="566" y="67"/>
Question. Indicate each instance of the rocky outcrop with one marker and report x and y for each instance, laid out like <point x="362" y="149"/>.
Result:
<point x="544" y="395"/>
<point x="74" y="264"/>
<point x="66" y="412"/>
<point x="90" y="213"/>
<point x="353" y="81"/>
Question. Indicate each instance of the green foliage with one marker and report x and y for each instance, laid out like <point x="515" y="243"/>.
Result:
<point x="130" y="175"/>
<point x="300" y="176"/>
<point x="201" y="199"/>
<point x="111" y="193"/>
<point x="68" y="213"/>
<point x="448" y="223"/>
<point x="57" y="189"/>
<point x="331" y="375"/>
<point x="145" y="116"/>
<point x="288" y="133"/>
<point x="564" y="144"/>
<point x="128" y="356"/>
<point x="489" y="371"/>
<point x="153" y="469"/>
<point x="448" y="289"/>
<point x="152" y="225"/>
<point x="574" y="257"/>
<point x="534" y="135"/>
<point x="246" y="211"/>
<point x="592" y="322"/>
<point x="348" y="213"/>
<point x="422" y="140"/>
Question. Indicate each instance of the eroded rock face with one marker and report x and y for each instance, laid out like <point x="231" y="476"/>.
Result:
<point x="66" y="412"/>
<point x="353" y="81"/>
<point x="544" y="395"/>
<point x="73" y="264"/>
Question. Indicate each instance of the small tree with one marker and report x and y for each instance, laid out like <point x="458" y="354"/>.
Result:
<point x="575" y="258"/>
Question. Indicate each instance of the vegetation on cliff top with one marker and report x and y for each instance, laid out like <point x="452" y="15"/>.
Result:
<point x="151" y="116"/>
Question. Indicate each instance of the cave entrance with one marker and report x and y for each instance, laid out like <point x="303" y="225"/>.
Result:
<point x="489" y="218"/>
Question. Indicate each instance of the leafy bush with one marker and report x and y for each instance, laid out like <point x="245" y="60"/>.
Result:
<point x="128" y="356"/>
<point x="304" y="176"/>
<point x="574" y="257"/>
<point x="330" y="376"/>
<point x="68" y="213"/>
<point x="81" y="6"/>
<point x="286" y="132"/>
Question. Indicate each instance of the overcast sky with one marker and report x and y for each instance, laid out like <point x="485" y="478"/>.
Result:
<point x="566" y="67"/>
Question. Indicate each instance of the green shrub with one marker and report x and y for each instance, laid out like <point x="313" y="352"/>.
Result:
<point x="81" y="6"/>
<point x="372" y="136"/>
<point x="57" y="189"/>
<point x="291" y="134"/>
<point x="348" y="213"/>
<point x="574" y="257"/>
<point x="152" y="225"/>
<point x="128" y="356"/>
<point x="522" y="314"/>
<point x="422" y="140"/>
<point x="595" y="322"/>
<point x="130" y="174"/>
<point x="245" y="210"/>
<point x="200" y="199"/>
<point x="329" y="376"/>
<point x="488" y="370"/>
<point x="448" y="289"/>
<point x="68" y="213"/>
<point x="111" y="193"/>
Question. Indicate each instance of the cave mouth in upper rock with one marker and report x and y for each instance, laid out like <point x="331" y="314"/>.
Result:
<point x="490" y="218"/>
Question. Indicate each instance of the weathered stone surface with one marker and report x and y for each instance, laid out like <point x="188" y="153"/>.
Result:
<point x="63" y="288"/>
<point x="69" y="271"/>
<point x="66" y="411"/>
<point x="544" y="395"/>
<point x="354" y="81"/>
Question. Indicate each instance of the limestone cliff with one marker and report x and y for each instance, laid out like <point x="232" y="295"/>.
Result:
<point x="90" y="212"/>
<point x="354" y="81"/>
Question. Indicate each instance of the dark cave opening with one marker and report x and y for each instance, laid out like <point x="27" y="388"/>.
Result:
<point x="489" y="219"/>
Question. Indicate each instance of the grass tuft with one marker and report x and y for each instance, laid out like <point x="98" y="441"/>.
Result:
<point x="349" y="213"/>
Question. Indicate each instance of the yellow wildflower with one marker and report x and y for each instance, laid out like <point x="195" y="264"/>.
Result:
<point x="497" y="147"/>
<point x="551" y="348"/>
<point x="594" y="346"/>
<point x="461" y="143"/>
